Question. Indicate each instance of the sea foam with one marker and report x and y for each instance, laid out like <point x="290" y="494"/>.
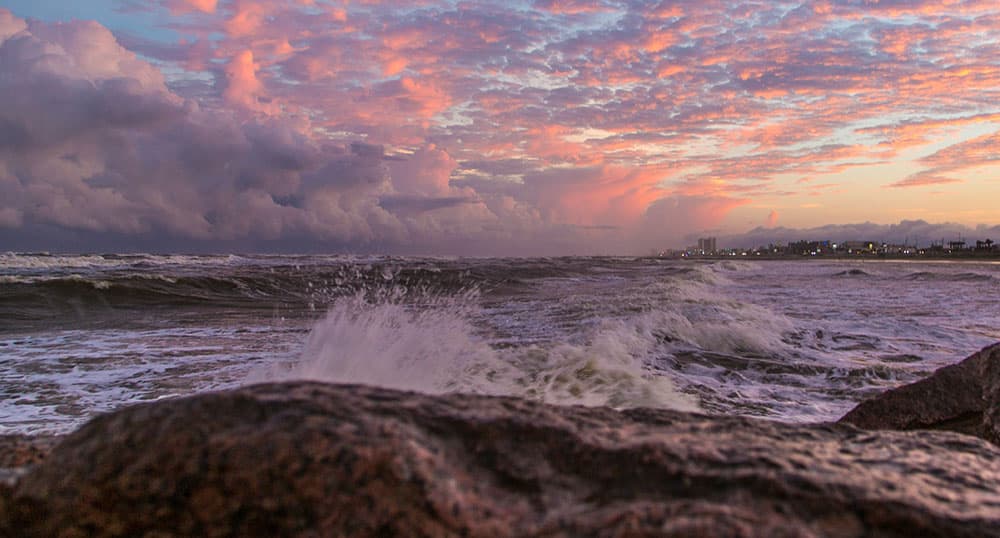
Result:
<point x="431" y="344"/>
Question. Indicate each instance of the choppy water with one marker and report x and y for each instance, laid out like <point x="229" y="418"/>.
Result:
<point x="792" y="340"/>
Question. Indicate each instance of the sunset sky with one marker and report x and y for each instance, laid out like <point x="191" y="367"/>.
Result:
<point x="519" y="127"/>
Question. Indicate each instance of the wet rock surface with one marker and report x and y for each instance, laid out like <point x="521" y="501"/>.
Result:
<point x="19" y="452"/>
<point x="307" y="459"/>
<point x="963" y="397"/>
<point x="22" y="450"/>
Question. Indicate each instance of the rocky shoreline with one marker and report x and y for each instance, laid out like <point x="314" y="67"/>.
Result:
<point x="308" y="459"/>
<point x="963" y="397"/>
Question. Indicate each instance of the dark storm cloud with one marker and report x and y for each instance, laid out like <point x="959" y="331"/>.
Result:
<point x="405" y="204"/>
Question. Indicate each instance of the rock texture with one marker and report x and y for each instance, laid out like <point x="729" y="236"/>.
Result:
<point x="22" y="450"/>
<point x="991" y="394"/>
<point x="963" y="397"/>
<point x="18" y="452"/>
<point x="307" y="459"/>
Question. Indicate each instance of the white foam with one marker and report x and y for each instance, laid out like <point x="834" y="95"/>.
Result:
<point x="11" y="261"/>
<point x="433" y="347"/>
<point x="390" y="344"/>
<point x="50" y="383"/>
<point x="612" y="368"/>
<point x="734" y="266"/>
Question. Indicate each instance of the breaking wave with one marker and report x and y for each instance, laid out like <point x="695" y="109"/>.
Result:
<point x="432" y="345"/>
<point x="852" y="273"/>
<point x="965" y="276"/>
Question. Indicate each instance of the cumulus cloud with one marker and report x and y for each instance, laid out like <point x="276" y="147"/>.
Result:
<point x="427" y="171"/>
<point x="772" y="219"/>
<point x="92" y="139"/>
<point x="242" y="87"/>
<point x="672" y="220"/>
<point x="579" y="126"/>
<point x="10" y="25"/>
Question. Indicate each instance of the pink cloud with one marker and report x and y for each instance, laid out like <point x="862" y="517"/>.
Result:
<point x="710" y="104"/>
<point x="248" y="15"/>
<point x="923" y="180"/>
<point x="572" y="7"/>
<point x="427" y="171"/>
<point x="182" y="6"/>
<point x="772" y="219"/>
<point x="672" y="219"/>
<point x="10" y="25"/>
<point x="242" y="87"/>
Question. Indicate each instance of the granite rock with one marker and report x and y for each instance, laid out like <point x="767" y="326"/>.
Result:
<point x="22" y="450"/>
<point x="963" y="397"/>
<point x="19" y="452"/>
<point x="309" y="459"/>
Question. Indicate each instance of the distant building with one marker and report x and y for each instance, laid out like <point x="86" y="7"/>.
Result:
<point x="810" y="248"/>
<point x="956" y="245"/>
<point x="897" y="249"/>
<point x="706" y="245"/>
<point x="858" y="247"/>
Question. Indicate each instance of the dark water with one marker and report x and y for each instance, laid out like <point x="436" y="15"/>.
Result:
<point x="791" y="340"/>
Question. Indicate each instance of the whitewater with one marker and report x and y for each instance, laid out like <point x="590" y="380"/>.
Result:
<point x="792" y="340"/>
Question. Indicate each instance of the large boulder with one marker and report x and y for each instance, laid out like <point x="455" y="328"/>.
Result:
<point x="19" y="452"/>
<point x="309" y="459"/>
<point x="963" y="397"/>
<point x="991" y="395"/>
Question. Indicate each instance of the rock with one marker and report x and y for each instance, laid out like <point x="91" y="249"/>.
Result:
<point x="991" y="396"/>
<point x="963" y="397"/>
<point x="17" y="452"/>
<point x="309" y="459"/>
<point x="22" y="450"/>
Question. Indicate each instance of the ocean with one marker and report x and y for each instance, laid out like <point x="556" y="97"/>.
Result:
<point x="792" y="340"/>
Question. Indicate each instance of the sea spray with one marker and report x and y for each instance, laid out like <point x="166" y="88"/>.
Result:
<point x="396" y="341"/>
<point x="429" y="343"/>
<point x="612" y="368"/>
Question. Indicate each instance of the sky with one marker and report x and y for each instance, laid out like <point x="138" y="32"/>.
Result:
<point x="523" y="127"/>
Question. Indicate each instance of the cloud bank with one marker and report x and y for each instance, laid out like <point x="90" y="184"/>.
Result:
<point x="478" y="128"/>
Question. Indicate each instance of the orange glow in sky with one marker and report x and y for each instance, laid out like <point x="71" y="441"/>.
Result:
<point x="572" y="125"/>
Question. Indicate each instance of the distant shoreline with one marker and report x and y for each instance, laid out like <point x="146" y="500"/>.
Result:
<point x="871" y="258"/>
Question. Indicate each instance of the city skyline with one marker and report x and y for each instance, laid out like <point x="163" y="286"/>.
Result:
<point x="532" y="127"/>
<point x="708" y="246"/>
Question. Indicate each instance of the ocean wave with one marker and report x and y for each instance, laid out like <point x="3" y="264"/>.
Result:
<point x="965" y="276"/>
<point x="139" y="289"/>
<point x="782" y="339"/>
<point x="12" y="261"/>
<point x="307" y="280"/>
<point x="437" y="348"/>
<point x="696" y="275"/>
<point x="296" y="284"/>
<point x="602" y="352"/>
<point x="732" y="266"/>
<point x="853" y="273"/>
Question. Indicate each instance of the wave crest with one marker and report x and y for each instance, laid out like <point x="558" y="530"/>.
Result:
<point x="431" y="344"/>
